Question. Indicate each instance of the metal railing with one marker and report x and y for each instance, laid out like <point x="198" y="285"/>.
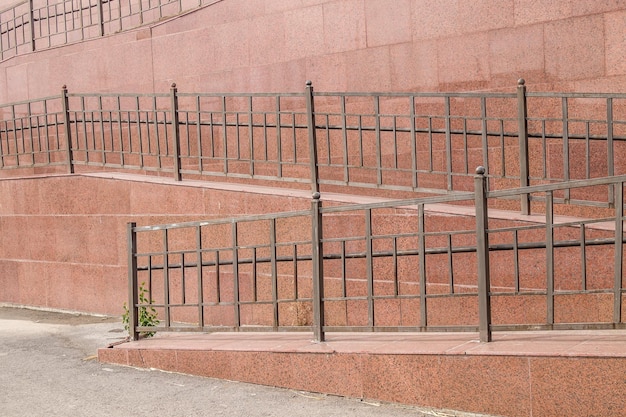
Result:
<point x="35" y="25"/>
<point x="410" y="142"/>
<point x="392" y="266"/>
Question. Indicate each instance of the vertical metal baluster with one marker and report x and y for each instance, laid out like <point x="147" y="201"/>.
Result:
<point x="133" y="297"/>
<point x="30" y="133"/>
<point x="254" y="275"/>
<point x="550" y="257"/>
<point x="150" y="277"/>
<point x="344" y="137"/>
<point x="395" y="267"/>
<point x="414" y="176"/>
<point x="129" y="129"/>
<point x="31" y="17"/>
<point x="395" y="143"/>
<point x="448" y="143"/>
<point x="583" y="257"/>
<point x="465" y="150"/>
<point x="64" y="14"/>
<point x="344" y="270"/>
<point x="370" y="268"/>
<point x="46" y="133"/>
<point x="544" y="150"/>
<point x="236" y="305"/>
<point x="182" y="277"/>
<point x="295" y="271"/>
<point x="225" y="135"/>
<point x="22" y="136"/>
<point x="218" y="291"/>
<point x="119" y="14"/>
<point x="587" y="152"/>
<point x="274" y="267"/>
<point x="294" y="135"/>
<point x="564" y="107"/>
<point x="199" y="267"/>
<point x="100" y="18"/>
<point x="15" y="140"/>
<point x="166" y="280"/>
<point x="279" y="141"/>
<point x="139" y="134"/>
<point x="211" y="134"/>
<point x="360" y="135"/>
<point x="430" y="144"/>
<point x="502" y="149"/>
<point x="610" y="150"/>
<point x="516" y="260"/>
<point x="199" y="134"/>
<point x="328" y="145"/>
<point x="379" y="158"/>
<point x="83" y="111"/>
<point x="92" y="129"/>
<point x="82" y="20"/>
<point x="102" y="142"/>
<point x="619" y="252"/>
<point x="421" y="233"/>
<point x="450" y="265"/>
<point x="251" y="135"/>
<point x="1" y="43"/>
<point x="6" y="133"/>
<point x="157" y="135"/>
<point x="484" y="137"/>
<point x="120" y="129"/>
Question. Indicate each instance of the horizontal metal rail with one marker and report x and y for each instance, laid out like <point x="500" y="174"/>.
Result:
<point x="37" y="25"/>
<point x="407" y="142"/>
<point x="245" y="273"/>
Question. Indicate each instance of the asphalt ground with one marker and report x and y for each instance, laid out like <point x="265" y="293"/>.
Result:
<point x="48" y="367"/>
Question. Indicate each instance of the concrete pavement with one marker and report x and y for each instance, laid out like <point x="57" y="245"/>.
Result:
<point x="48" y="367"/>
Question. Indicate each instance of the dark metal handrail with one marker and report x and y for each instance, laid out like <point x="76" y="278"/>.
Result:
<point x="234" y="273"/>
<point x="409" y="142"/>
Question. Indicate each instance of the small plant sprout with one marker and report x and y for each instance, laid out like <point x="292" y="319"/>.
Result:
<point x="147" y="313"/>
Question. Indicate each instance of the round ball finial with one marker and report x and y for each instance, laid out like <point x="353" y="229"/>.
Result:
<point x="64" y="87"/>
<point x="173" y="85"/>
<point x="521" y="81"/>
<point x="480" y="170"/>
<point x="309" y="83"/>
<point x="316" y="196"/>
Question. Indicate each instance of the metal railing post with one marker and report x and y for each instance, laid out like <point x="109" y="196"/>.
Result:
<point x="318" y="268"/>
<point x="32" y="24"/>
<point x="175" y="132"/>
<point x="310" y="115"/>
<point x="133" y="297"/>
<point x="100" y="18"/>
<point x="522" y="120"/>
<point x="68" y="129"/>
<point x="482" y="252"/>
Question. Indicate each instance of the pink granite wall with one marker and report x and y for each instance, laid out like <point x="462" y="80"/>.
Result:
<point x="63" y="241"/>
<point x="361" y="45"/>
<point x="63" y="245"/>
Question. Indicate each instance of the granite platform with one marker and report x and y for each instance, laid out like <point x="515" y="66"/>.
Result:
<point x="539" y="373"/>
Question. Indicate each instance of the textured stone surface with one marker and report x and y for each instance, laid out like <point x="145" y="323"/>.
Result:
<point x="518" y="374"/>
<point x="343" y="44"/>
